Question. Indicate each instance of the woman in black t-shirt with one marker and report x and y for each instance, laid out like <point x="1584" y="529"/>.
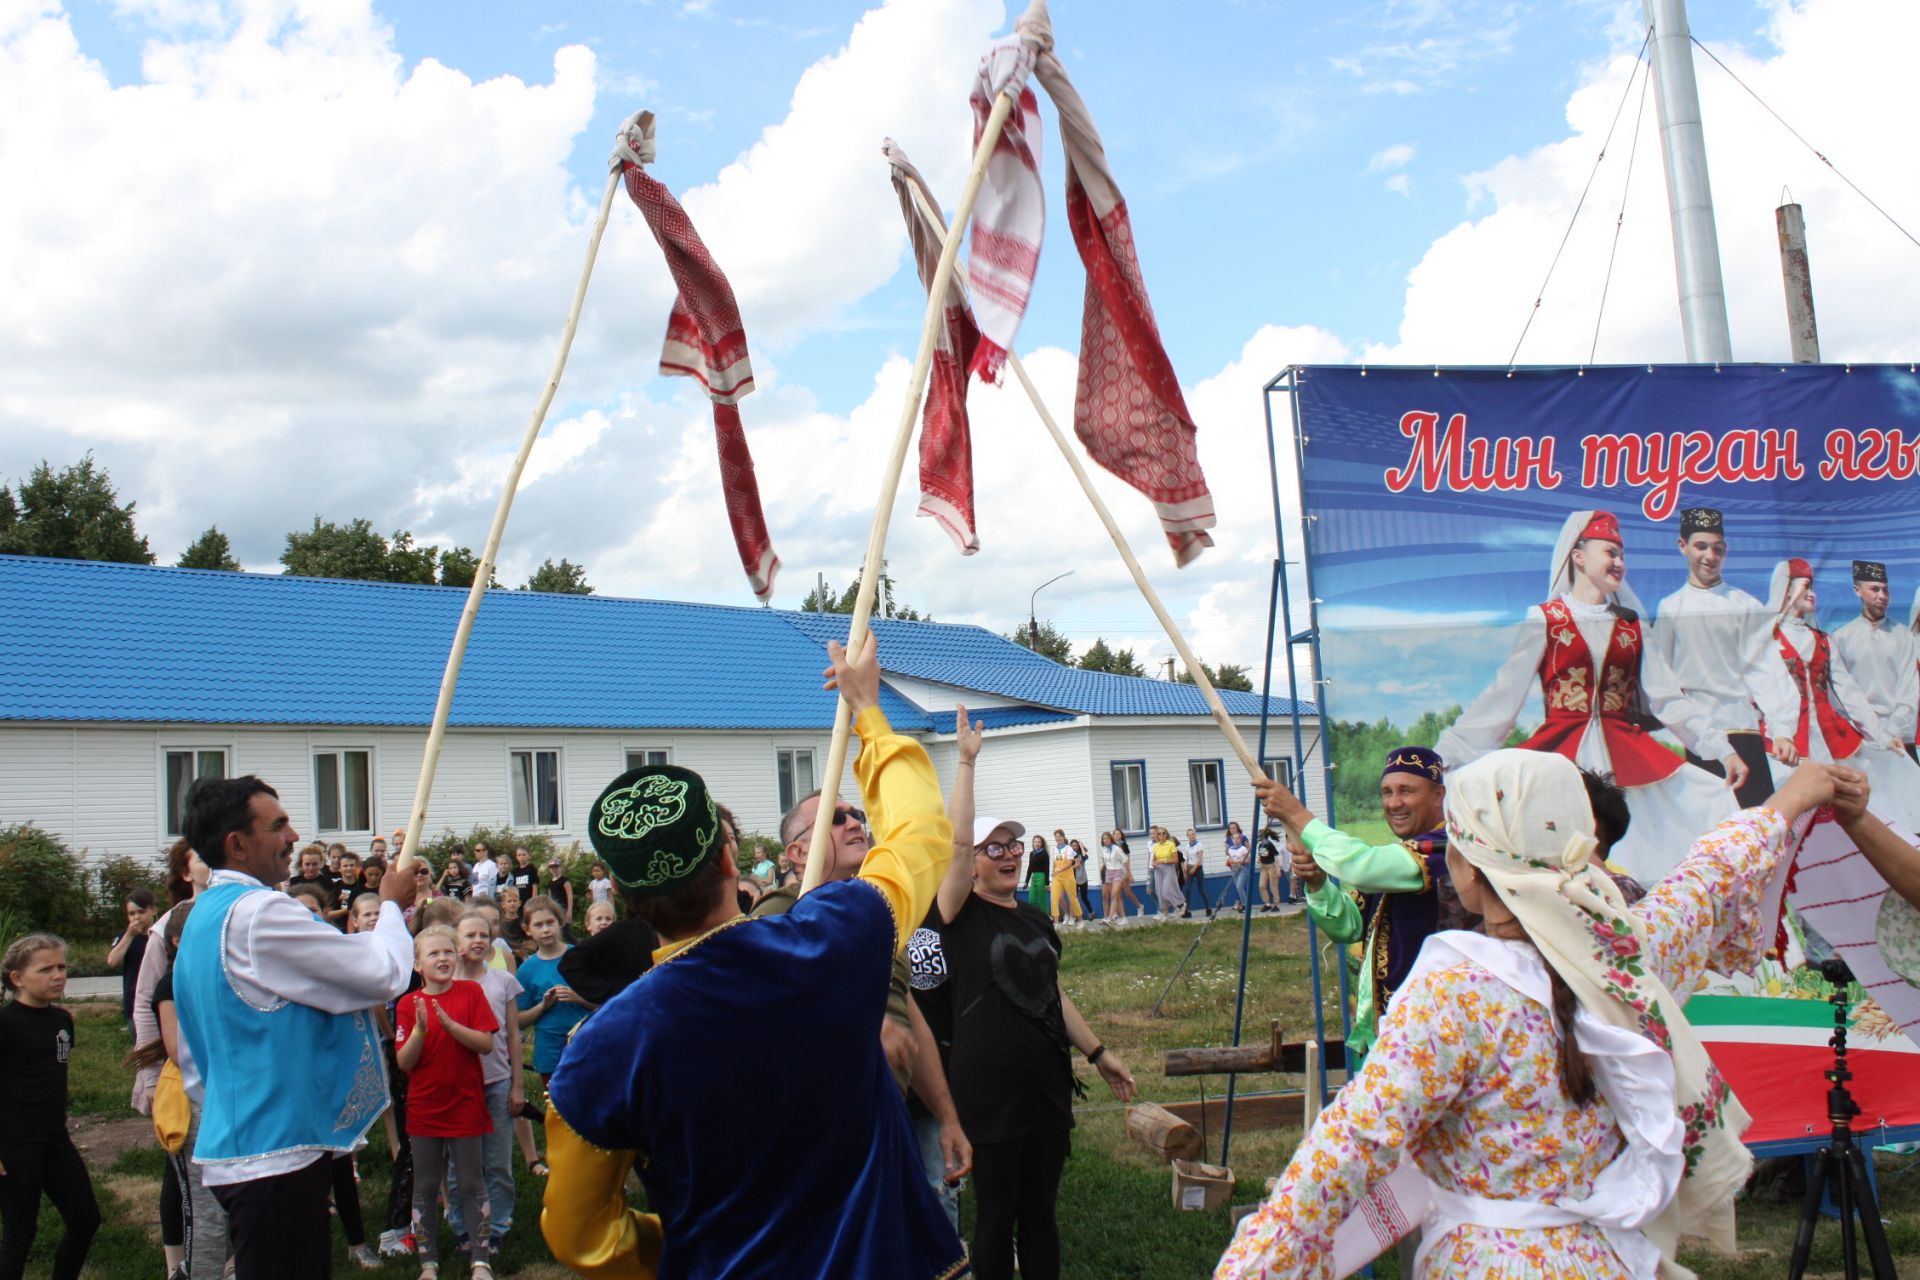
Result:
<point x="36" y="1155"/>
<point x="1014" y="1030"/>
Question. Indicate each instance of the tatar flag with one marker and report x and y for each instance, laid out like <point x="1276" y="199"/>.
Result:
<point x="705" y="340"/>
<point x="946" y="445"/>
<point x="1128" y="409"/>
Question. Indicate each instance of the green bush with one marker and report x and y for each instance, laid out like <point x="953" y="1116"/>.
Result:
<point x="114" y="882"/>
<point x="499" y="839"/>
<point x="42" y="884"/>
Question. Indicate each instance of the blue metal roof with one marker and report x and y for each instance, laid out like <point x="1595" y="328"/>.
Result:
<point x="113" y="642"/>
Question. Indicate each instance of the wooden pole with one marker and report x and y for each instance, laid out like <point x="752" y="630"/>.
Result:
<point x="1167" y="624"/>
<point x="890" y="485"/>
<point x="436" y="736"/>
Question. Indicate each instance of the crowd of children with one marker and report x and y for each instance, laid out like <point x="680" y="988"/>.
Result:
<point x="487" y="971"/>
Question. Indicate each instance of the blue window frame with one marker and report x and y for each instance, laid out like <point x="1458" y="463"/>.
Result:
<point x="1207" y="786"/>
<point x="1130" y="812"/>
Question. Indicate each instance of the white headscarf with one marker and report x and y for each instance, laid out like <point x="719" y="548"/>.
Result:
<point x="1560" y="568"/>
<point x="1523" y="820"/>
<point x="1783" y="577"/>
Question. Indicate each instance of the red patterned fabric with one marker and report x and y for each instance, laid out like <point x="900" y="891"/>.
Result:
<point x="946" y="440"/>
<point x="1604" y="526"/>
<point x="1128" y="410"/>
<point x="1573" y="686"/>
<point x="1816" y="674"/>
<point x="705" y="340"/>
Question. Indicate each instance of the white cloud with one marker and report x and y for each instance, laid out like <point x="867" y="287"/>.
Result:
<point x="1838" y="76"/>
<point x="1397" y="156"/>
<point x="1400" y="184"/>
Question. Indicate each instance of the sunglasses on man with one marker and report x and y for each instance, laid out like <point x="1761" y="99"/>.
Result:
<point x="840" y="817"/>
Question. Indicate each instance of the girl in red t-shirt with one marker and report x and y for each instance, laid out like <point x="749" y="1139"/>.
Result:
<point x="440" y="1033"/>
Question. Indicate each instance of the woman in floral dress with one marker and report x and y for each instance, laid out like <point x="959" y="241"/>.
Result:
<point x="1522" y="1155"/>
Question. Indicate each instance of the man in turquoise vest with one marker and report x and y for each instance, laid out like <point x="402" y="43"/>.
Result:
<point x="276" y="1040"/>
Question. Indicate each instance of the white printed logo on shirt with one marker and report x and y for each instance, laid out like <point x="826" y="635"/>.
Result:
<point x="927" y="959"/>
<point x="62" y="1044"/>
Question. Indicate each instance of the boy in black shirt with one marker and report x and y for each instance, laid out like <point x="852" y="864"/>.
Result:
<point x="130" y="948"/>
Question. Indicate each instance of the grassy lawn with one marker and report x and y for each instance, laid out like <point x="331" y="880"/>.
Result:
<point x="1117" y="1221"/>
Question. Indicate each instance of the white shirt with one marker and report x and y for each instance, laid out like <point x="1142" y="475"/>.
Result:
<point x="1237" y="857"/>
<point x="1484" y="725"/>
<point x="1718" y="641"/>
<point x="1195" y="852"/>
<point x="1847" y="698"/>
<point x="485" y="876"/>
<point x="277" y="952"/>
<point x="1881" y="657"/>
<point x="1112" y="858"/>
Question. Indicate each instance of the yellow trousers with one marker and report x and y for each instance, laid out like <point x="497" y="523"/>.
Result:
<point x="1063" y="884"/>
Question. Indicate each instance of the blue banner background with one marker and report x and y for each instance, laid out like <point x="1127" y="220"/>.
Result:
<point x="1420" y="590"/>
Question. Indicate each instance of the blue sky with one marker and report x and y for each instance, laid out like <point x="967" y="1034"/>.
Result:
<point x="337" y="244"/>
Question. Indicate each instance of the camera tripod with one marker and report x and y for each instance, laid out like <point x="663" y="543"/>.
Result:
<point x="1840" y="1164"/>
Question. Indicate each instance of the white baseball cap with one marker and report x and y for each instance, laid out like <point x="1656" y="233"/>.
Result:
<point x="984" y="827"/>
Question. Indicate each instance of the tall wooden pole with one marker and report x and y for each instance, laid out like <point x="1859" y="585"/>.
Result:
<point x="1798" y="277"/>
<point x="443" y="707"/>
<point x="883" y="511"/>
<point x="1179" y="641"/>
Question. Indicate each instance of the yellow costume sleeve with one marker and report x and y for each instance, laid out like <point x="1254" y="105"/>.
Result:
<point x="912" y="838"/>
<point x="585" y="1217"/>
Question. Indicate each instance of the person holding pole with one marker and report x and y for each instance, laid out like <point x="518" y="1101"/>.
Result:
<point x="276" y="1041"/>
<point x="1394" y="888"/>
<point x="830" y="1189"/>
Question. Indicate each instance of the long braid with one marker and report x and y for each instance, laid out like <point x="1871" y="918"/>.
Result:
<point x="1576" y="1072"/>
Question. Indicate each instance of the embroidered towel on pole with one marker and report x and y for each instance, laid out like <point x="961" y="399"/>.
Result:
<point x="704" y="341"/>
<point x="946" y="445"/>
<point x="1128" y="410"/>
<point x="1011" y="214"/>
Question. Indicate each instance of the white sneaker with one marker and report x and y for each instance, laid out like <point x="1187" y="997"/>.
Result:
<point x="363" y="1256"/>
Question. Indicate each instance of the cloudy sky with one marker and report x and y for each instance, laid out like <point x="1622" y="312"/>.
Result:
<point x="277" y="259"/>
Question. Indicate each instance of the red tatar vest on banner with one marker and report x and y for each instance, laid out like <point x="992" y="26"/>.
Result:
<point x="1573" y="687"/>
<point x="1817" y="677"/>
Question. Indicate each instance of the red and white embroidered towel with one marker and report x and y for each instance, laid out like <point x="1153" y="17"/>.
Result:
<point x="1010" y="213"/>
<point x="1128" y="411"/>
<point x="705" y="340"/>
<point x="946" y="446"/>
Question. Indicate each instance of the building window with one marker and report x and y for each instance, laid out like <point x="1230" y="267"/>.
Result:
<point x="640" y="759"/>
<point x="1130" y="796"/>
<point x="796" y="775"/>
<point x="184" y="768"/>
<point x="343" y="791"/>
<point x="1280" y="769"/>
<point x="1203" y="778"/>
<point x="534" y="781"/>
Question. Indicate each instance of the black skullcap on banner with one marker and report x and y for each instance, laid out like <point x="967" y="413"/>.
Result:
<point x="1869" y="571"/>
<point x="655" y="828"/>
<point x="1700" y="520"/>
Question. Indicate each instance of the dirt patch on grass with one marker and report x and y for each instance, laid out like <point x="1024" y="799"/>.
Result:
<point x="101" y="1142"/>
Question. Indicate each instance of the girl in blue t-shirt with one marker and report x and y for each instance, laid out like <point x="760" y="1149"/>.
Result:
<point x="547" y="1004"/>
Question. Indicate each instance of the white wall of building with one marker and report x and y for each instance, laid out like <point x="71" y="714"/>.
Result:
<point x="101" y="787"/>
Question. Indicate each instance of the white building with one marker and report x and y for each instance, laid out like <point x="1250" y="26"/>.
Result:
<point x="121" y="683"/>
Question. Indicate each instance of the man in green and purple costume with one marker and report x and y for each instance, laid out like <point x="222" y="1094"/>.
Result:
<point x="1391" y="895"/>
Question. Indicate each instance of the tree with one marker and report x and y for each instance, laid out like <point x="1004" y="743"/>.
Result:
<point x="408" y="563"/>
<point x="1116" y="662"/>
<point x="1224" y="676"/>
<point x="330" y="550"/>
<point x="823" y="600"/>
<point x="566" y="578"/>
<point x="73" y="514"/>
<point x="458" y="565"/>
<point x="210" y="550"/>
<point x="1050" y="643"/>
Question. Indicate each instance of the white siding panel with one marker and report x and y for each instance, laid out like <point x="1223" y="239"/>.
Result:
<point x="37" y="782"/>
<point x="1039" y="779"/>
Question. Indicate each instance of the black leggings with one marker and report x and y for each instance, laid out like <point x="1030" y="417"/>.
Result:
<point x="1016" y="1189"/>
<point x="346" y="1202"/>
<point x="53" y="1169"/>
<point x="173" y="1214"/>
<point x="400" y="1185"/>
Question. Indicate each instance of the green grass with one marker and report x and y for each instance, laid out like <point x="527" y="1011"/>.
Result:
<point x="1116" y="1216"/>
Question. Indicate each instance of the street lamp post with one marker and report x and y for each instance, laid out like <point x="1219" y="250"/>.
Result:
<point x="1033" y="621"/>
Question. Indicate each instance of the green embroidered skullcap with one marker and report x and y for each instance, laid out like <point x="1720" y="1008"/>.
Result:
<point x="655" y="828"/>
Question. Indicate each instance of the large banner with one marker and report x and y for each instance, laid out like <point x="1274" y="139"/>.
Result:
<point x="1678" y="575"/>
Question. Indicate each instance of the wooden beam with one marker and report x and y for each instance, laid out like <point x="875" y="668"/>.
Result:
<point x="1251" y="1112"/>
<point x="1162" y="1132"/>
<point x="1209" y="1062"/>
